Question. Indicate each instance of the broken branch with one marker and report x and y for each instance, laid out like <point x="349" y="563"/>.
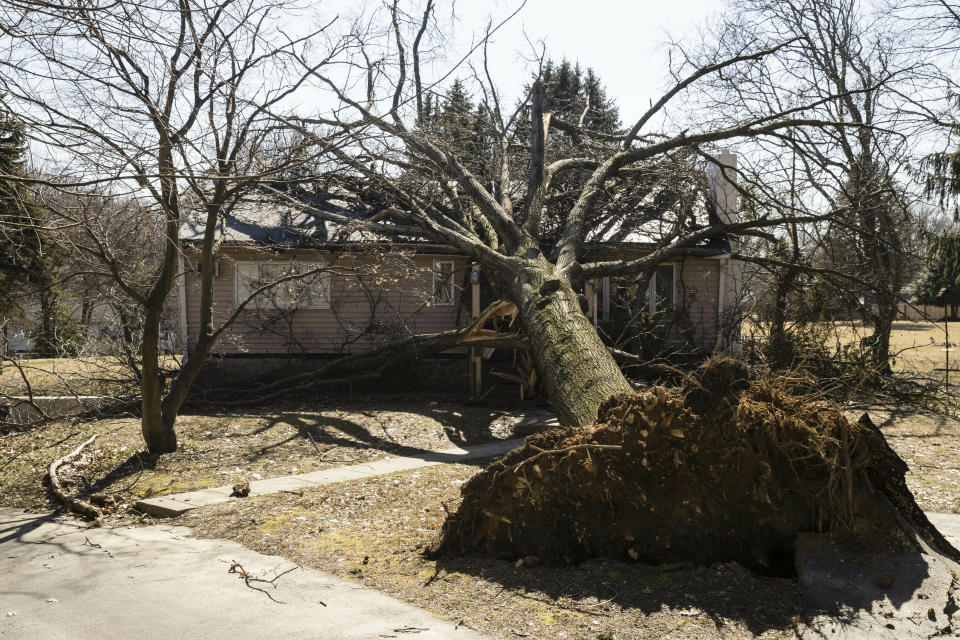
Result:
<point x="56" y="486"/>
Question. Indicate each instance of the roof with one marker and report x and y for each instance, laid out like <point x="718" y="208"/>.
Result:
<point x="652" y="219"/>
<point x="280" y="219"/>
<point x="286" y="220"/>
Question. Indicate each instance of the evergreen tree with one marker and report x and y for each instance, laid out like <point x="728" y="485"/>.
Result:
<point x="940" y="282"/>
<point x="28" y="260"/>
<point x="22" y="253"/>
<point x="569" y="93"/>
<point x="942" y="171"/>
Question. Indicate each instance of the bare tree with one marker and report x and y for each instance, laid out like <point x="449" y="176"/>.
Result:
<point x="855" y="170"/>
<point x="171" y="104"/>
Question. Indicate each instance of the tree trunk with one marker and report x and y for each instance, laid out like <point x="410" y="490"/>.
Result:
<point x="577" y="371"/>
<point x="781" y="349"/>
<point x="158" y="432"/>
<point x="882" y="328"/>
<point x="180" y="386"/>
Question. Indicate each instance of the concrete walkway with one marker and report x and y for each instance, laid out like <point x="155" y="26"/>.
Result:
<point x="62" y="581"/>
<point x="177" y="503"/>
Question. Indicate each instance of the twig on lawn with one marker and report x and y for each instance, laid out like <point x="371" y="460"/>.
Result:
<point x="56" y="488"/>
<point x="314" y="443"/>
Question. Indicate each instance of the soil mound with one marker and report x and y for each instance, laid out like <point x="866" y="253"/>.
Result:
<point x="730" y="467"/>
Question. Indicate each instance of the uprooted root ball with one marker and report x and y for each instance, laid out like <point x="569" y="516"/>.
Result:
<point x="729" y="467"/>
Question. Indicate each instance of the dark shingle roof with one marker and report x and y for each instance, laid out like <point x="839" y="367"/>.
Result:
<point x="282" y="220"/>
<point x="279" y="220"/>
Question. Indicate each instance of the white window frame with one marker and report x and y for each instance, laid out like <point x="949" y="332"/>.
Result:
<point x="258" y="302"/>
<point x="605" y="316"/>
<point x="452" y="287"/>
<point x="652" y="288"/>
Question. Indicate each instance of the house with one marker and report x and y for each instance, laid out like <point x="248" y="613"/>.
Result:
<point x="694" y="298"/>
<point x="362" y="290"/>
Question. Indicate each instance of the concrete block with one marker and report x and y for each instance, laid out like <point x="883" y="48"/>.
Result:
<point x="163" y="507"/>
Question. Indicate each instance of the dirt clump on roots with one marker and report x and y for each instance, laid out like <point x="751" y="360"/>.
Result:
<point x="732" y="466"/>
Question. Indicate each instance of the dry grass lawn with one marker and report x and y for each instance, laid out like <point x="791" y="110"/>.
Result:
<point x="929" y="442"/>
<point x="101" y="375"/>
<point x="917" y="346"/>
<point x="374" y="530"/>
<point x="221" y="449"/>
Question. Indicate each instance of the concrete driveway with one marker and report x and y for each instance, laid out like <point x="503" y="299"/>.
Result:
<point x="60" y="580"/>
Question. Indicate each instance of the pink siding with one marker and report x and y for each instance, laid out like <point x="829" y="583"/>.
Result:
<point x="398" y="290"/>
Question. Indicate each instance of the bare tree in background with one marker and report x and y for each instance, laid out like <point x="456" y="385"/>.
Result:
<point x="855" y="171"/>
<point x="170" y="104"/>
<point x="931" y="31"/>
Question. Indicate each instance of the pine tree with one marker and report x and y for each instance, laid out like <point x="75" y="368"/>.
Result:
<point x="942" y="171"/>
<point x="23" y="261"/>
<point x="569" y="91"/>
<point x="940" y="282"/>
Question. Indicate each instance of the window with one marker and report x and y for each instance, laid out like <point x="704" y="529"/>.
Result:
<point x="662" y="290"/>
<point x="307" y="292"/>
<point x="605" y="300"/>
<point x="443" y="287"/>
<point x="216" y="268"/>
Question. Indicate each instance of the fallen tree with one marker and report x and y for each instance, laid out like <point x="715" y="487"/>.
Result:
<point x="731" y="466"/>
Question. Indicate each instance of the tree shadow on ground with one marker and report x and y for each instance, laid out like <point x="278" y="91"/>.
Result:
<point x="133" y="466"/>
<point x="330" y="432"/>
<point x="603" y="588"/>
<point x="917" y="326"/>
<point x="461" y="426"/>
<point x="17" y="526"/>
<point x="841" y="582"/>
<point x="944" y="421"/>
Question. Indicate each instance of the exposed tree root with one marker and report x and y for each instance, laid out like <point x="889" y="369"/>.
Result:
<point x="731" y="466"/>
<point x="56" y="486"/>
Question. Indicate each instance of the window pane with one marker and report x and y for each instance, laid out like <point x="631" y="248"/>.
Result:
<point x="248" y="277"/>
<point x="297" y="293"/>
<point x="443" y="282"/>
<point x="665" y="288"/>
